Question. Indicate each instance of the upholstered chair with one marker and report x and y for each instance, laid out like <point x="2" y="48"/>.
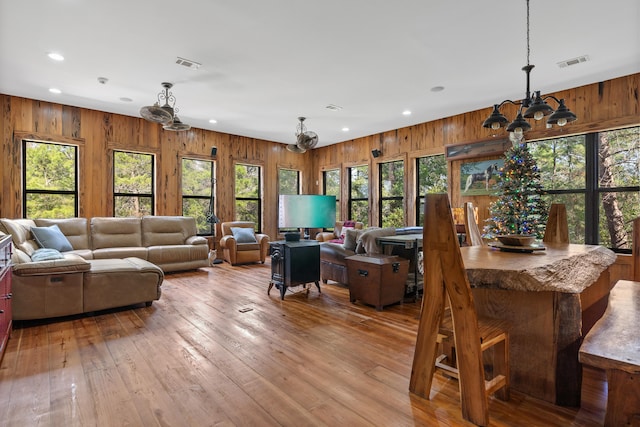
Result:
<point x="338" y="232"/>
<point x="241" y="244"/>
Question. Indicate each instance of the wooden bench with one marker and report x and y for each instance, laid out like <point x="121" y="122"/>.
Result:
<point x="613" y="344"/>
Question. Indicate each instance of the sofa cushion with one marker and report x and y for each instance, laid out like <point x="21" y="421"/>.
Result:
<point x="68" y="264"/>
<point x="51" y="238"/>
<point x="334" y="253"/>
<point x="351" y="239"/>
<point x="110" y="232"/>
<point x="20" y="230"/>
<point x="244" y="235"/>
<point x="343" y="231"/>
<point x="46" y="254"/>
<point x="173" y="254"/>
<point x="121" y="252"/>
<point x="167" y="230"/>
<point x="248" y="247"/>
<point x="74" y="229"/>
<point x="18" y="257"/>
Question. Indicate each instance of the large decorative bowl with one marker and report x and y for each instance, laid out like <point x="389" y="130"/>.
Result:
<point x="517" y="239"/>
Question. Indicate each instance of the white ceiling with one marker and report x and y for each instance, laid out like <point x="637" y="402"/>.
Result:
<point x="264" y="63"/>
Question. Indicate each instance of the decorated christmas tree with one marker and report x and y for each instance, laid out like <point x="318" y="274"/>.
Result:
<point x="519" y="208"/>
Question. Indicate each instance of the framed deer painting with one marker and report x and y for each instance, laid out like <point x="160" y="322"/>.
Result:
<point x="480" y="178"/>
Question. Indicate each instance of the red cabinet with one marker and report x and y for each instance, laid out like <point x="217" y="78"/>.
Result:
<point x="5" y="292"/>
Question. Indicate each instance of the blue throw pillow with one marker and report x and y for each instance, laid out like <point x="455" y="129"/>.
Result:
<point x="51" y="238"/>
<point x="45" y="254"/>
<point x="243" y="235"/>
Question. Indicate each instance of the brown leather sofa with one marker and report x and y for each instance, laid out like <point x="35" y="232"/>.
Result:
<point x="236" y="251"/>
<point x="332" y="255"/>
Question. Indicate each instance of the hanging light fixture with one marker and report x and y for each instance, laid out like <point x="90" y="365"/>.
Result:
<point x="532" y="106"/>
<point x="305" y="140"/>
<point x="165" y="114"/>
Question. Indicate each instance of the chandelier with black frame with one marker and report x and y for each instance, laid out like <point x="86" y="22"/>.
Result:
<point x="165" y="114"/>
<point x="305" y="140"/>
<point x="533" y="106"/>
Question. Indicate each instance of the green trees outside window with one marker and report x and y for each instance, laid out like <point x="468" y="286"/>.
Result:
<point x="197" y="178"/>
<point x="359" y="194"/>
<point x="431" y="178"/>
<point x="597" y="177"/>
<point x="50" y="180"/>
<point x="288" y="183"/>
<point x="331" y="186"/>
<point x="248" y="191"/>
<point x="133" y="184"/>
<point x="391" y="203"/>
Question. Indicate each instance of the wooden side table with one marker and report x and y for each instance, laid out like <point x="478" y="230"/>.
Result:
<point x="377" y="280"/>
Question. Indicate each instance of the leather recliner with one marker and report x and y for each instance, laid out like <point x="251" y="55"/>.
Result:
<point x="236" y="251"/>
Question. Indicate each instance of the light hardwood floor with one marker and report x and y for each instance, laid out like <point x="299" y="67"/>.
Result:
<point x="215" y="350"/>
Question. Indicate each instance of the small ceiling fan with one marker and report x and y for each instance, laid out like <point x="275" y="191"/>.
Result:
<point x="166" y="114"/>
<point x="305" y="140"/>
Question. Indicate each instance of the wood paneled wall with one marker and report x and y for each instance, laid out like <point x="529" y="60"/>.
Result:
<point x="599" y="106"/>
<point x="606" y="105"/>
<point x="99" y="133"/>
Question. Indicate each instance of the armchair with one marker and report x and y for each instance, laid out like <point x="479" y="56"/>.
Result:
<point x="241" y="245"/>
<point x="327" y="236"/>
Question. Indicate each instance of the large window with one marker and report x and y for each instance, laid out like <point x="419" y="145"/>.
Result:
<point x="288" y="183"/>
<point x="331" y="186"/>
<point x="50" y="180"/>
<point x="359" y="194"/>
<point x="197" y="185"/>
<point x="248" y="193"/>
<point x="431" y="177"/>
<point x="597" y="177"/>
<point x="133" y="184"/>
<point x="391" y="203"/>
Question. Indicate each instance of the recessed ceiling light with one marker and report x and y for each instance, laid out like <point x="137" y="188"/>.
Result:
<point x="55" y="56"/>
<point x="213" y="121"/>
<point x="437" y="89"/>
<point x="406" y="113"/>
<point x="54" y="90"/>
<point x="345" y="129"/>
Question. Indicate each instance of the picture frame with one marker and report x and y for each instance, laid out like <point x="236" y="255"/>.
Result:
<point x="489" y="147"/>
<point x="480" y="178"/>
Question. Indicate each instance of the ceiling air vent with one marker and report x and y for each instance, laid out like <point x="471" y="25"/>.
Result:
<point x="574" y="61"/>
<point x="188" y="63"/>
<point x="333" y="107"/>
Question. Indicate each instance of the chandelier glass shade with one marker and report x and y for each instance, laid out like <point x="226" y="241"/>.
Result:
<point x="533" y="106"/>
<point x="165" y="114"/>
<point x="305" y="140"/>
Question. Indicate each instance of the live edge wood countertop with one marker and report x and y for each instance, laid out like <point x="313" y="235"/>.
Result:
<point x="566" y="268"/>
<point x="549" y="298"/>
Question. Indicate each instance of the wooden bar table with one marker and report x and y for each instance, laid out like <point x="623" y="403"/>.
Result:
<point x="545" y="295"/>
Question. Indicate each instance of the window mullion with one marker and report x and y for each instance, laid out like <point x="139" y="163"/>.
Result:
<point x="592" y="196"/>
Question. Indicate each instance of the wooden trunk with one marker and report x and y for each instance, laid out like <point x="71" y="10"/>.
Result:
<point x="377" y="280"/>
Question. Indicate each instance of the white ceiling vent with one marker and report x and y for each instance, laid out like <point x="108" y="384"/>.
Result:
<point x="188" y="63"/>
<point x="574" y="61"/>
<point x="333" y="107"/>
